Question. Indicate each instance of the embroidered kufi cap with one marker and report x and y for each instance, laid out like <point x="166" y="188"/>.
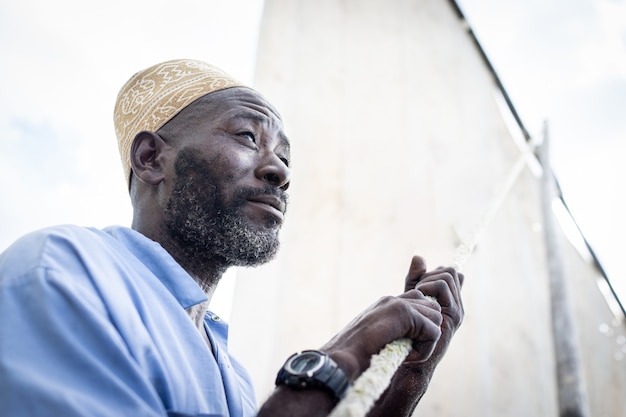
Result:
<point x="155" y="95"/>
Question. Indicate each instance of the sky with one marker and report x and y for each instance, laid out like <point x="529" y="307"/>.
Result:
<point x="563" y="62"/>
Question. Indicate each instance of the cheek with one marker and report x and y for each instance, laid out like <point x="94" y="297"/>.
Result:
<point x="230" y="173"/>
<point x="231" y="167"/>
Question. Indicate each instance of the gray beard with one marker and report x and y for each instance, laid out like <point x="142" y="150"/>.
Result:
<point x="209" y="232"/>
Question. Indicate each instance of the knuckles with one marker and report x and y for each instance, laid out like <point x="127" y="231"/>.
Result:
<point x="396" y="306"/>
<point x="412" y="311"/>
<point x="406" y="313"/>
<point x="446" y="275"/>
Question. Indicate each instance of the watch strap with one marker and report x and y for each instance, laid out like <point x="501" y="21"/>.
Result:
<point x="330" y="376"/>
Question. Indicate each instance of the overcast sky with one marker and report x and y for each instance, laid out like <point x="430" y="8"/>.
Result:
<point x="64" y="61"/>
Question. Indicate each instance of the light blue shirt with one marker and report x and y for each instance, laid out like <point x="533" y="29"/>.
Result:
<point x="93" y="323"/>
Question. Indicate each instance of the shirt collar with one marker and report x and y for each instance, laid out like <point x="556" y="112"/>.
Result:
<point x="179" y="283"/>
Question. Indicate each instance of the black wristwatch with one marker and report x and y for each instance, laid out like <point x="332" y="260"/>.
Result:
<point x="312" y="368"/>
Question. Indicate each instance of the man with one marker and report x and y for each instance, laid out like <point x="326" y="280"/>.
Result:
<point x="115" y="322"/>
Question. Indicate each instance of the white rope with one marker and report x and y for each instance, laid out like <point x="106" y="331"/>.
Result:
<point x="362" y="395"/>
<point x="370" y="385"/>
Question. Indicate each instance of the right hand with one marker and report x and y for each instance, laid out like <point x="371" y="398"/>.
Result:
<point x="410" y="315"/>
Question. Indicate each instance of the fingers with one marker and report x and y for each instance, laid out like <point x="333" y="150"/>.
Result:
<point x="426" y="325"/>
<point x="416" y="270"/>
<point x="417" y="295"/>
<point x="411" y="315"/>
<point x="445" y="285"/>
<point x="418" y="276"/>
<point x="425" y="315"/>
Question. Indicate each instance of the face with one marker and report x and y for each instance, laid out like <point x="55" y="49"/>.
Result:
<point x="228" y="198"/>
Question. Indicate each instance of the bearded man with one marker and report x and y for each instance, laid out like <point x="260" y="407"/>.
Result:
<point x="116" y="322"/>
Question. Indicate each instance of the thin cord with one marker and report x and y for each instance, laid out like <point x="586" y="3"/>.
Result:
<point x="466" y="247"/>
<point x="362" y="395"/>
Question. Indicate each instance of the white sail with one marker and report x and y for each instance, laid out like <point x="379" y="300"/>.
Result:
<point x="400" y="139"/>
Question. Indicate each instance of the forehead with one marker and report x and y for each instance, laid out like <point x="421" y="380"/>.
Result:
<point x="232" y="108"/>
<point x="238" y="102"/>
<point x="232" y="105"/>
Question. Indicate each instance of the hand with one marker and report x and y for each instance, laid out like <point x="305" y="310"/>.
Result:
<point x="444" y="285"/>
<point x="411" y="380"/>
<point x="429" y="323"/>
<point x="410" y="315"/>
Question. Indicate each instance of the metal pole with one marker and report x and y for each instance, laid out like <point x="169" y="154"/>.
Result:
<point x="572" y="395"/>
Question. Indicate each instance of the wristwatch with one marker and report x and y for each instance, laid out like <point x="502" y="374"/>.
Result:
<point x="312" y="368"/>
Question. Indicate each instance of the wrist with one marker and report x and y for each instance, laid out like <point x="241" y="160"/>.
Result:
<point x="289" y="402"/>
<point x="313" y="369"/>
<point x="347" y="363"/>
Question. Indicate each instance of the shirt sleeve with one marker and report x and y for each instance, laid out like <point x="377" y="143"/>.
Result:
<point x="60" y="355"/>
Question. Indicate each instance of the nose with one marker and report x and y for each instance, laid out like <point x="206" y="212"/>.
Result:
<point x="274" y="171"/>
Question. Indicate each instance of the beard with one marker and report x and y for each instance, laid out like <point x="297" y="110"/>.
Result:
<point x="211" y="231"/>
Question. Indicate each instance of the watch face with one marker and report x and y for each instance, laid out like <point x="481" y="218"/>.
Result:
<point x="305" y="363"/>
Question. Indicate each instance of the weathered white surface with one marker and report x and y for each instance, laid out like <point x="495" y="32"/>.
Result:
<point x="398" y="147"/>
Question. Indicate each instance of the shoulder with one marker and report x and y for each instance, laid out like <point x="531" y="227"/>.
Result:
<point x="55" y="235"/>
<point x="45" y="245"/>
<point x="81" y="265"/>
<point x="67" y="255"/>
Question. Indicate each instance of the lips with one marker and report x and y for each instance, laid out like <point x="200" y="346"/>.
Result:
<point x="270" y="202"/>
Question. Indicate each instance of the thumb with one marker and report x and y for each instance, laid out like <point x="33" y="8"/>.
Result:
<point x="416" y="270"/>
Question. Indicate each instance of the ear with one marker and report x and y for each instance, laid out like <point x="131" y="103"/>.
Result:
<point x="146" y="157"/>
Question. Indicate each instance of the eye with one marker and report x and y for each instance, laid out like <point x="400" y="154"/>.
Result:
<point x="285" y="161"/>
<point x="249" y="135"/>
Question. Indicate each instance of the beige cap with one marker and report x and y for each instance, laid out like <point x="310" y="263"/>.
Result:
<point x="155" y="95"/>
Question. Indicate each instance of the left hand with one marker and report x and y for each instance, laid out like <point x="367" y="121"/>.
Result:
<point x="411" y="380"/>
<point x="444" y="285"/>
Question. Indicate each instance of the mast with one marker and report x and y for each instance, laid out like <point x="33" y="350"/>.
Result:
<point x="569" y="370"/>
